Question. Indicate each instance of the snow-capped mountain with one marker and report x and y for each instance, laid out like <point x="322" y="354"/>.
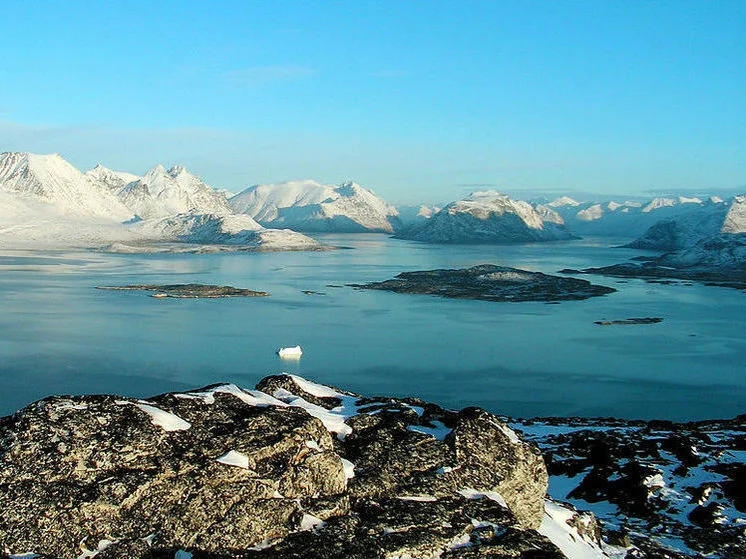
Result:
<point x="210" y="229"/>
<point x="563" y="201"/>
<point x="411" y="215"/>
<point x="701" y="221"/>
<point x="718" y="252"/>
<point x="309" y="206"/>
<point x="114" y="180"/>
<point x="46" y="202"/>
<point x="161" y="193"/>
<point x="51" y="180"/>
<point x="629" y="218"/>
<point x="488" y="217"/>
<point x="735" y="219"/>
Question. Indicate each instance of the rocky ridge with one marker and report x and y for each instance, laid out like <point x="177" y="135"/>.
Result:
<point x="292" y="469"/>
<point x="670" y="489"/>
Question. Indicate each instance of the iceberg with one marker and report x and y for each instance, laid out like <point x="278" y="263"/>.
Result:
<point x="290" y="352"/>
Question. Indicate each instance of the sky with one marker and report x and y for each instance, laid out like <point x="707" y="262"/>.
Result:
<point x="421" y="101"/>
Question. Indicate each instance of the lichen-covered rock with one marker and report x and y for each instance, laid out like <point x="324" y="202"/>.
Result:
<point x="294" y="469"/>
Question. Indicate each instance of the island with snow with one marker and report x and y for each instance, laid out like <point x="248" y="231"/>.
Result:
<point x="298" y="469"/>
<point x="488" y="282"/>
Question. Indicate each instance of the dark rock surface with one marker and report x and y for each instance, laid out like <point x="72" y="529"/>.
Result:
<point x="673" y="490"/>
<point x="653" y="272"/>
<point x="491" y="283"/>
<point x="719" y="260"/>
<point x="627" y="321"/>
<point x="190" y="290"/>
<point x="294" y="470"/>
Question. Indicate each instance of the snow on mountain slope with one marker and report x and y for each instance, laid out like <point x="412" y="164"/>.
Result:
<point x="694" y="222"/>
<point x="735" y="219"/>
<point x="310" y="206"/>
<point x="486" y="217"/>
<point x="52" y="180"/>
<point x="114" y="180"/>
<point x="718" y="252"/>
<point x="211" y="229"/>
<point x="411" y="215"/>
<point x="47" y="203"/>
<point x="548" y="215"/>
<point x="631" y="218"/>
<point x="683" y="230"/>
<point x="160" y="193"/>
<point x="563" y="201"/>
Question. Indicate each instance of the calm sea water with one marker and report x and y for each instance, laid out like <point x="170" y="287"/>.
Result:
<point x="59" y="335"/>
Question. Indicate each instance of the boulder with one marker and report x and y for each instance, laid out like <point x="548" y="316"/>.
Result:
<point x="294" y="469"/>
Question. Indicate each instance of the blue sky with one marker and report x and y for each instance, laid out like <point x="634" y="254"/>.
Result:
<point x="420" y="100"/>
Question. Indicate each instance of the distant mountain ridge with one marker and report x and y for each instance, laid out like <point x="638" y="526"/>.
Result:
<point x="488" y="217"/>
<point x="160" y="193"/>
<point x="310" y="206"/>
<point x="45" y="201"/>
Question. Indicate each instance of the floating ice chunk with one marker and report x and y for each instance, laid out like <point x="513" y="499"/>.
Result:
<point x="181" y="554"/>
<point x="29" y="555"/>
<point x="310" y="522"/>
<point x="349" y="468"/>
<point x="294" y="352"/>
<point x="491" y="495"/>
<point x="160" y="418"/>
<point x="439" y="431"/>
<point x="235" y="458"/>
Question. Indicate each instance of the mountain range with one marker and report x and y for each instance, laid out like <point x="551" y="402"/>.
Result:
<point x="44" y="200"/>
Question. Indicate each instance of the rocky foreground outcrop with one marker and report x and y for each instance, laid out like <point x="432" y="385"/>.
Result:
<point x="292" y="469"/>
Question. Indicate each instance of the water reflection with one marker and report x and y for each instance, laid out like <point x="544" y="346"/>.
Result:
<point x="59" y="335"/>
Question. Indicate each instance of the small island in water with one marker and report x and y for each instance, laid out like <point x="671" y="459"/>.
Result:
<point x="189" y="291"/>
<point x="488" y="282"/>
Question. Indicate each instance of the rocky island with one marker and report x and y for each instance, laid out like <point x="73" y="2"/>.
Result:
<point x="719" y="260"/>
<point x="188" y="291"/>
<point x="297" y="469"/>
<point x="491" y="283"/>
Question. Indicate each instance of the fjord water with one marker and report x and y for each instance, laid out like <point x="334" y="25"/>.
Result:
<point x="60" y="335"/>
